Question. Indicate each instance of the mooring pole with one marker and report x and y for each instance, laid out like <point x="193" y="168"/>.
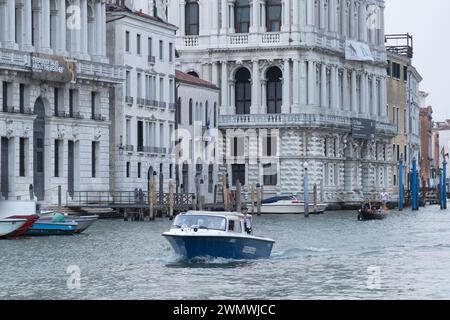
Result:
<point x="444" y="183"/>
<point x="252" y="197"/>
<point x="225" y="192"/>
<point x="400" y="184"/>
<point x="306" y="191"/>
<point x="415" y="206"/>
<point x="258" y="199"/>
<point x="170" y="199"/>
<point x="238" y="196"/>
<point x="441" y="189"/>
<point x="315" y="197"/>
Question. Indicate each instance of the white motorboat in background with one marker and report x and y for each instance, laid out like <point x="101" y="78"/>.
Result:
<point x="10" y="226"/>
<point x="289" y="205"/>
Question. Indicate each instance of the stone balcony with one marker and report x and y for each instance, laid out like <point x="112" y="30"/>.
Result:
<point x="87" y="70"/>
<point x="300" y="120"/>
<point x="307" y="39"/>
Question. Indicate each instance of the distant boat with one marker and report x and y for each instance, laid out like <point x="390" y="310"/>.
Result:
<point x="19" y="209"/>
<point x="371" y="214"/>
<point x="289" y="205"/>
<point x="215" y="234"/>
<point x="9" y="226"/>
<point x="52" y="229"/>
<point x="83" y="222"/>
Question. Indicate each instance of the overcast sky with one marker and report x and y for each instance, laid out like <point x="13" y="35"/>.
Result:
<point x="429" y="23"/>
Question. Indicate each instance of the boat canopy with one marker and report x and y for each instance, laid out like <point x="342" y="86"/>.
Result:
<point x="200" y="221"/>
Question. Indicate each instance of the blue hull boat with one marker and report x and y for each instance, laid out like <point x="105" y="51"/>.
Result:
<point x="222" y="247"/>
<point x="218" y="235"/>
<point x="52" y="229"/>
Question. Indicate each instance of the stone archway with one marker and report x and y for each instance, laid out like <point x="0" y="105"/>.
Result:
<point x="38" y="149"/>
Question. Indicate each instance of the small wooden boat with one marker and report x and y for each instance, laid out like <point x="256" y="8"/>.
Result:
<point x="371" y="214"/>
<point x="83" y="222"/>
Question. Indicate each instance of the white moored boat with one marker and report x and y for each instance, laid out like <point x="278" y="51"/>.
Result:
<point x="9" y="226"/>
<point x="289" y="205"/>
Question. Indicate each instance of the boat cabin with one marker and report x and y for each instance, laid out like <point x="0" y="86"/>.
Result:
<point x="203" y="220"/>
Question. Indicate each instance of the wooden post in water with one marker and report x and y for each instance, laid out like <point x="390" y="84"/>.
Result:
<point x="258" y="199"/>
<point x="59" y="196"/>
<point x="238" y="196"/>
<point x="171" y="199"/>
<point x="225" y="193"/>
<point x="252" y="197"/>
<point x="151" y="198"/>
<point x="315" y="197"/>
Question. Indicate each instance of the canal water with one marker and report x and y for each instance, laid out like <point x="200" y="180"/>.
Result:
<point x="331" y="256"/>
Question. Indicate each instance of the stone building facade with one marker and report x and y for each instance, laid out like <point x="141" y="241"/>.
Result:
<point x="55" y="77"/>
<point x="142" y="110"/>
<point x="291" y="90"/>
<point x="197" y="121"/>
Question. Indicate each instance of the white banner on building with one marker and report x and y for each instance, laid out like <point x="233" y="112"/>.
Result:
<point x="357" y="51"/>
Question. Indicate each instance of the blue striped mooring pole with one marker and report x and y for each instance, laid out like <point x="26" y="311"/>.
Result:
<point x="415" y="206"/>
<point x="400" y="185"/>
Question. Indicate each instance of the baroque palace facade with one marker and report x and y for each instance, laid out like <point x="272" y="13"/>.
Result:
<point x="54" y="100"/>
<point x="303" y="84"/>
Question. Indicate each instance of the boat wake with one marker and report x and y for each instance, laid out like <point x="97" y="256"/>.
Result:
<point x="294" y="253"/>
<point x="207" y="262"/>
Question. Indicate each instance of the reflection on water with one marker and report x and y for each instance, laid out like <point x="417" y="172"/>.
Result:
<point x="323" y="257"/>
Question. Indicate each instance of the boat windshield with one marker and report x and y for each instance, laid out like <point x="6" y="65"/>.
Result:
<point x="200" y="221"/>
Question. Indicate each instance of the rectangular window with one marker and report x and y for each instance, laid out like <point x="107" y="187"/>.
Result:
<point x="170" y="52"/>
<point x="161" y="89"/>
<point x="94" y="149"/>
<point x="5" y="96"/>
<point x="161" y="135"/>
<point x="56" y="101"/>
<point x="140" y="136"/>
<point x="150" y="47"/>
<point x="138" y="44"/>
<point x="56" y="158"/>
<point x="71" y="102"/>
<point x="388" y="68"/>
<point x="22" y="154"/>
<point x="139" y="165"/>
<point x="238" y="173"/>
<point x="93" y="97"/>
<point x="21" y="98"/>
<point x="270" y="174"/>
<point x="171" y="91"/>
<point x="237" y="147"/>
<point x="127" y="41"/>
<point x="269" y="146"/>
<point x="128" y="132"/>
<point x="396" y="70"/>
<point x="139" y="85"/>
<point x="405" y="73"/>
<point x="128" y="169"/>
<point x="161" y="50"/>
<point x="128" y="84"/>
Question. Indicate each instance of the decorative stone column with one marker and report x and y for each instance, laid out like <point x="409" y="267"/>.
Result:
<point x="263" y="108"/>
<point x="286" y="15"/>
<point x="311" y="82"/>
<point x="310" y="12"/>
<point x="364" y="93"/>
<point x="333" y="87"/>
<point x="232" y="86"/>
<point x="61" y="29"/>
<point x="263" y="16"/>
<point x="224" y="14"/>
<point x="27" y="28"/>
<point x="255" y="21"/>
<point x="214" y="15"/>
<point x="182" y="25"/>
<point x="11" y="25"/>
<point x="303" y="84"/>
<point x="345" y="97"/>
<point x="286" y="106"/>
<point x="323" y="85"/>
<point x="354" y="99"/>
<point x="103" y="34"/>
<point x="45" y="31"/>
<point x="362" y="22"/>
<point x="256" y="86"/>
<point x="84" y="24"/>
<point x="383" y="98"/>
<point x="322" y="14"/>
<point x="296" y="86"/>
<point x="295" y="15"/>
<point x="374" y="96"/>
<point x="224" y="86"/>
<point x="231" y="15"/>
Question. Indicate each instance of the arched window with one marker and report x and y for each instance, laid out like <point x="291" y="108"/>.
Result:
<point x="190" y="112"/>
<point x="192" y="18"/>
<point x="274" y="90"/>
<point x="194" y="74"/>
<point x="243" y="92"/>
<point x="242" y="16"/>
<point x="273" y="14"/>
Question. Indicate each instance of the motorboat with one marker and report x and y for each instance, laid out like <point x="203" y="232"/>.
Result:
<point x="52" y="229"/>
<point x="19" y="209"/>
<point x="83" y="222"/>
<point x="290" y="205"/>
<point x="215" y="234"/>
<point x="371" y="214"/>
<point x="9" y="226"/>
